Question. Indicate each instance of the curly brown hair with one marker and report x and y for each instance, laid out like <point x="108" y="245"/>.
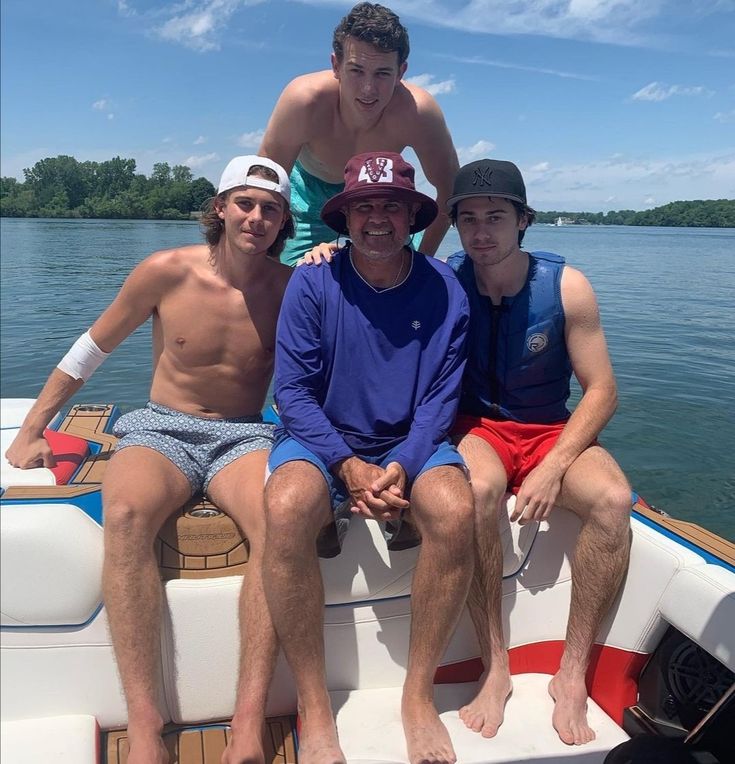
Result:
<point x="376" y="25"/>
<point x="213" y="226"/>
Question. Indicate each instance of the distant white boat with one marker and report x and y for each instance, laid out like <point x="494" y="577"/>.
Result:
<point x="559" y="221"/>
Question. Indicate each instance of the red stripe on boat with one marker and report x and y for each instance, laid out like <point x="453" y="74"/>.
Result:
<point x="612" y="677"/>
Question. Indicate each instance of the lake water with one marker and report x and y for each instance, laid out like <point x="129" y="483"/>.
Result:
<point x="667" y="297"/>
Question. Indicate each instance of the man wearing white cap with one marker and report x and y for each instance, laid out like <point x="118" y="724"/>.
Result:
<point x="214" y="308"/>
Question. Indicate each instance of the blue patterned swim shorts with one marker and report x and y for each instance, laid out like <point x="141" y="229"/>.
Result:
<point x="200" y="447"/>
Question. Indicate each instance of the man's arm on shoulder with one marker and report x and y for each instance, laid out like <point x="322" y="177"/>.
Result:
<point x="288" y="128"/>
<point x="435" y="150"/>
<point x="133" y="305"/>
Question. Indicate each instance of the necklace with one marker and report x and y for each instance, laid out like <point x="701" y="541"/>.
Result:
<point x="372" y="286"/>
<point x="400" y="270"/>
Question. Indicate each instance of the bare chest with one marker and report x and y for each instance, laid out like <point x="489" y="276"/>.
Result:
<point x="202" y="326"/>
<point x="326" y="155"/>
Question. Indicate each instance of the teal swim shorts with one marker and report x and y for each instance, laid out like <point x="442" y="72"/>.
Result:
<point x="308" y="195"/>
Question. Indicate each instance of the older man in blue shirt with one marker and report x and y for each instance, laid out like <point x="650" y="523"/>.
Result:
<point x="369" y="362"/>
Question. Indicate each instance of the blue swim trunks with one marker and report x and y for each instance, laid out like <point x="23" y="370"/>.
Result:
<point x="308" y="195"/>
<point x="200" y="447"/>
<point x="399" y="535"/>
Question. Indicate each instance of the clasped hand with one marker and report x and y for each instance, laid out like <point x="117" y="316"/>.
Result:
<point x="375" y="492"/>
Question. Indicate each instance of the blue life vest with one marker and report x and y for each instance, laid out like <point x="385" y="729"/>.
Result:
<point x="517" y="362"/>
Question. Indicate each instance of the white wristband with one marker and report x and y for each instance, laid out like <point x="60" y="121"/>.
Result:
<point x="83" y="358"/>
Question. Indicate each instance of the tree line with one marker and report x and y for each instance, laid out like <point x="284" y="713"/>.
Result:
<point x="61" y="186"/>
<point x="64" y="187"/>
<point x="710" y="213"/>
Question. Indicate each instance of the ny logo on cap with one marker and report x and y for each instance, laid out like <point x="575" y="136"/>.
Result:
<point x="377" y="170"/>
<point x="481" y="176"/>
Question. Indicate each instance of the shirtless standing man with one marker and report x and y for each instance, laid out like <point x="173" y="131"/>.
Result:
<point x="214" y="308"/>
<point x="533" y="323"/>
<point x="324" y="118"/>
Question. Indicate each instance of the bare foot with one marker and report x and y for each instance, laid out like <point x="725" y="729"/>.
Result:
<point x="570" y="709"/>
<point x="146" y="748"/>
<point x="318" y="743"/>
<point x="427" y="738"/>
<point x="484" y="714"/>
<point x="246" y="743"/>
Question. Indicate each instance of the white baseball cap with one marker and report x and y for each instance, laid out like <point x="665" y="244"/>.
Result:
<point x="236" y="174"/>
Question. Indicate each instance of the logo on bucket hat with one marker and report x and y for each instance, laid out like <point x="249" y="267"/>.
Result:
<point x="488" y="177"/>
<point x="378" y="174"/>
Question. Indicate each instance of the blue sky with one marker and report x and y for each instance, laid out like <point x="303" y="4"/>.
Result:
<point x="604" y="104"/>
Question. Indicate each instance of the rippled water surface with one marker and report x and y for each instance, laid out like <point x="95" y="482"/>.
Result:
<point x="667" y="298"/>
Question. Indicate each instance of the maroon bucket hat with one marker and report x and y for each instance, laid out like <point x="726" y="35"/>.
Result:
<point x="379" y="174"/>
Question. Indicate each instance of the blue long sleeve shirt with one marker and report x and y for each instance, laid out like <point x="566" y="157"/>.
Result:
<point x="361" y="371"/>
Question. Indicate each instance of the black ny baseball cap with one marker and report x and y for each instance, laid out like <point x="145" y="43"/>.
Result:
<point x="488" y="177"/>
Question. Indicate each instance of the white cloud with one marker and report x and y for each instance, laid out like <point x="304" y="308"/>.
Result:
<point x="201" y="139"/>
<point x="101" y="105"/>
<point x="725" y="116"/>
<point x="197" y="24"/>
<point x="479" y="150"/>
<point x="629" y="181"/>
<point x="615" y="21"/>
<point x="497" y="64"/>
<point x="195" y="162"/>
<point x="540" y="167"/>
<point x="649" y="201"/>
<point x="110" y="116"/>
<point x="251" y="140"/>
<point x="658" y="91"/>
<point x="426" y="81"/>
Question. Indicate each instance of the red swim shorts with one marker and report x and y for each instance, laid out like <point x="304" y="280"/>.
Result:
<point x="520" y="446"/>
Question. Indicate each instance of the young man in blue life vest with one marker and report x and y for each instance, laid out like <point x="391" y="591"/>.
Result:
<point x="533" y="323"/>
<point x="214" y="308"/>
<point x="360" y="104"/>
<point x="369" y="361"/>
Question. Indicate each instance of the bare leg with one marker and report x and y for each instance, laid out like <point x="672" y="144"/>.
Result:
<point x="594" y="488"/>
<point x="484" y="714"/>
<point x="238" y="491"/>
<point x="297" y="506"/>
<point x="140" y="490"/>
<point x="441" y="504"/>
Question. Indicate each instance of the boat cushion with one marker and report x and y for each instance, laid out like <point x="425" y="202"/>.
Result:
<point x="12" y="476"/>
<point x="700" y="603"/>
<point x="381" y="574"/>
<point x="14" y="410"/>
<point x="56" y="551"/>
<point x="69" y="450"/>
<point x="58" y="739"/>
<point x="370" y="730"/>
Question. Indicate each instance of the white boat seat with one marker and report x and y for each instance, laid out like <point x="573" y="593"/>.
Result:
<point x="370" y="730"/>
<point x="700" y="603"/>
<point x="382" y="574"/>
<point x="56" y="551"/>
<point x="57" y="739"/>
